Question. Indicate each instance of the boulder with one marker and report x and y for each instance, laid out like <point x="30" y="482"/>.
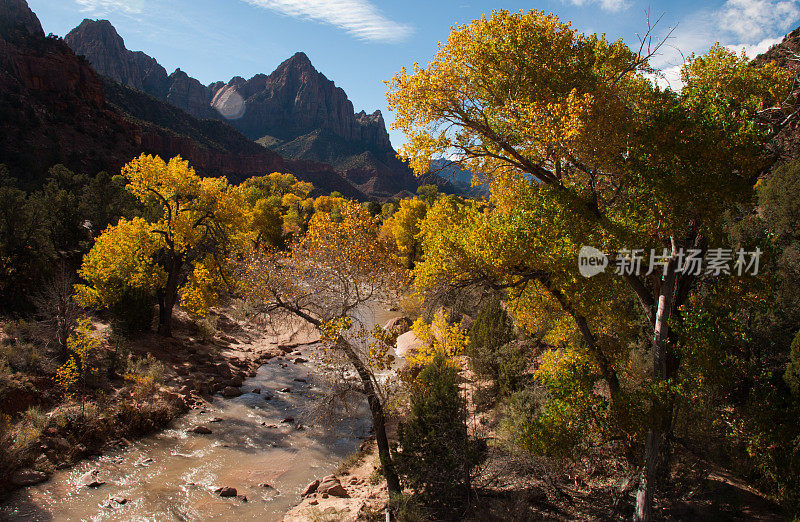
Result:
<point x="225" y="492"/>
<point x="235" y="381"/>
<point x="407" y="344"/>
<point x="90" y="480"/>
<point x="256" y="391"/>
<point x="300" y="360"/>
<point x="330" y="485"/>
<point x="299" y="379"/>
<point x="200" y="430"/>
<point x="288" y="420"/>
<point x="398" y="325"/>
<point x="230" y="392"/>
<point x="311" y="488"/>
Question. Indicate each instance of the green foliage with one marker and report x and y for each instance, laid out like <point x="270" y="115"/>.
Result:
<point x="436" y="455"/>
<point x="556" y="417"/>
<point x="26" y="250"/>
<point x="57" y="220"/>
<point x="792" y="375"/>
<point x="491" y="355"/>
<point x="388" y="209"/>
<point x="373" y="207"/>
<point x="428" y="193"/>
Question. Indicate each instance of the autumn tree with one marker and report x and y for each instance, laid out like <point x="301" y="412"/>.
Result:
<point x="617" y="163"/>
<point x="279" y="204"/>
<point x="404" y="228"/>
<point x="335" y="269"/>
<point x="181" y="249"/>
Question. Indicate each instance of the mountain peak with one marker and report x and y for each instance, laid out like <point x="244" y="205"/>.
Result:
<point x="96" y="29"/>
<point x="298" y="61"/>
<point x="15" y="15"/>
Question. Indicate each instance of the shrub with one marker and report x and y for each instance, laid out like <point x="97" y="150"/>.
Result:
<point x="491" y="351"/>
<point x="436" y="457"/>
<point x="405" y="508"/>
<point x="206" y="327"/>
<point x="81" y="368"/>
<point x="792" y="375"/>
<point x="563" y="410"/>
<point x="23" y="357"/>
<point x="146" y="373"/>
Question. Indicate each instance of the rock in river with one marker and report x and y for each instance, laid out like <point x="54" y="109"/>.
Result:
<point x="90" y="480"/>
<point x="225" y="491"/>
<point x="230" y="392"/>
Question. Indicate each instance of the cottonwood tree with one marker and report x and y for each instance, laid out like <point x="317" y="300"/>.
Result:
<point x="616" y="162"/>
<point x="324" y="278"/>
<point x="180" y="249"/>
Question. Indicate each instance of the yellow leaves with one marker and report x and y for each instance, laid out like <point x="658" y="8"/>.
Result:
<point x="201" y="290"/>
<point x="405" y="227"/>
<point x="351" y="246"/>
<point x="524" y="80"/>
<point x="195" y="220"/>
<point x="67" y="375"/>
<point x="439" y="337"/>
<point x="122" y="257"/>
<point x="83" y="348"/>
<point x="332" y="329"/>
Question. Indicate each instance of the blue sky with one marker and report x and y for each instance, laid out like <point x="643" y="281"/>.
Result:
<point x="359" y="44"/>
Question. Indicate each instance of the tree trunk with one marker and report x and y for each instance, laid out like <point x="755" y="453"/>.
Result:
<point x="378" y="417"/>
<point x="168" y="298"/>
<point x="656" y="435"/>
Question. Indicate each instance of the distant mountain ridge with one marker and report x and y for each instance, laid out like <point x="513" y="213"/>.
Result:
<point x="54" y="109"/>
<point x="295" y="110"/>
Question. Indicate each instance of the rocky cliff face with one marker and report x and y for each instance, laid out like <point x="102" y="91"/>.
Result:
<point x="16" y="16"/>
<point x="295" y="110"/>
<point x="105" y="49"/>
<point x="99" y="42"/>
<point x="190" y="95"/>
<point x="786" y="144"/>
<point x="297" y="99"/>
<point x="55" y="109"/>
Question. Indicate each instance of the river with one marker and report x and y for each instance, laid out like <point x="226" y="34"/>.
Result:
<point x="172" y="475"/>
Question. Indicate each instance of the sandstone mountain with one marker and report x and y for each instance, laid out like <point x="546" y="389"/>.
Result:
<point x="55" y="109"/>
<point x="99" y="42"/>
<point x="295" y="111"/>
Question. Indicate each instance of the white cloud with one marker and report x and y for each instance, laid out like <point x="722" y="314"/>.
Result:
<point x="753" y="50"/>
<point x="607" y="5"/>
<point x="751" y="26"/>
<point x="106" y="6"/>
<point x="358" y="18"/>
<point x="756" y="19"/>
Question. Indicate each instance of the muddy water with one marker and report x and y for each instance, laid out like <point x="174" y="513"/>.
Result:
<point x="172" y="475"/>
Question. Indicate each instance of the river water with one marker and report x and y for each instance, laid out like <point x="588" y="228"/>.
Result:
<point x="172" y="475"/>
